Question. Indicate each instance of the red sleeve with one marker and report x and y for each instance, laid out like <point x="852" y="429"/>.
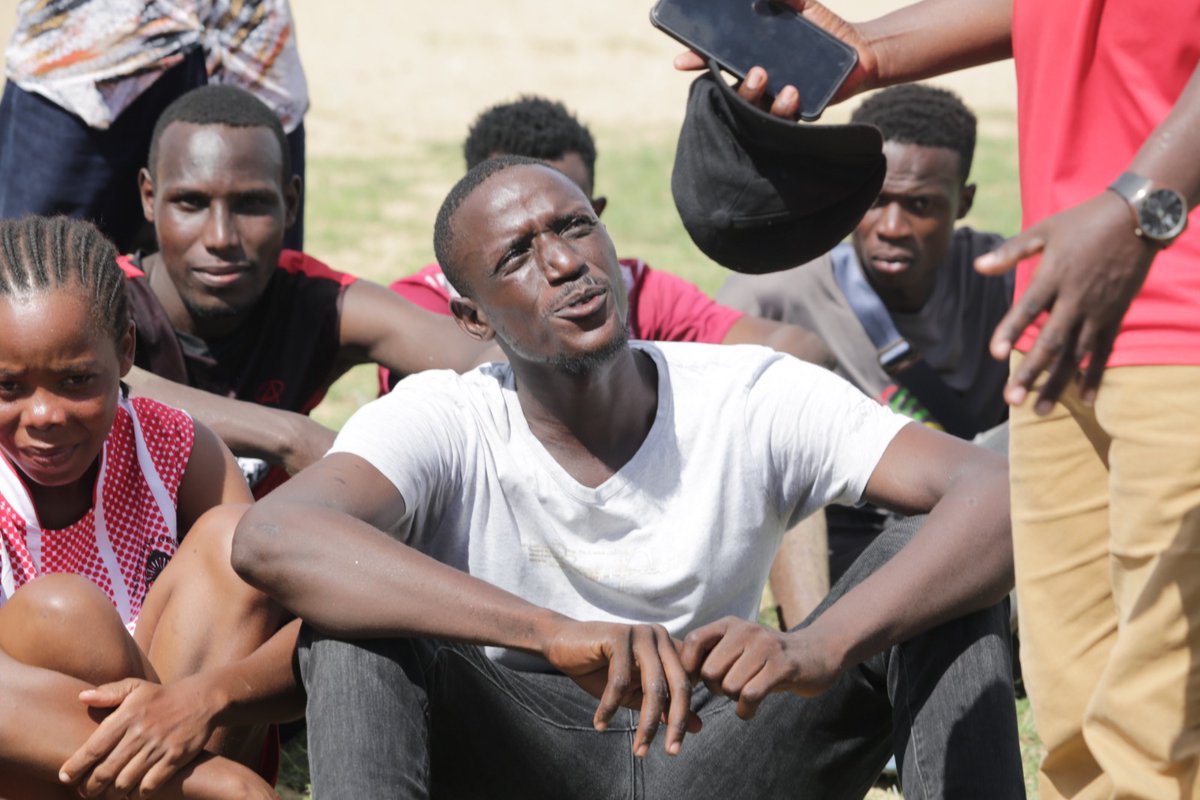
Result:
<point x="129" y="268"/>
<point x="293" y="261"/>
<point x="427" y="289"/>
<point x="666" y="308"/>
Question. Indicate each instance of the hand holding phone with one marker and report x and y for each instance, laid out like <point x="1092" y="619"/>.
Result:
<point x="739" y="34"/>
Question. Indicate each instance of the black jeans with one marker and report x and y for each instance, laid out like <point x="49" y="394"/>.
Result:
<point x="413" y="718"/>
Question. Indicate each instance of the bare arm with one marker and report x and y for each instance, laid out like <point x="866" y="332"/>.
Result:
<point x="790" y="339"/>
<point x="959" y="561"/>
<point x="315" y="544"/>
<point x="290" y="440"/>
<point x="379" y="326"/>
<point x="918" y="41"/>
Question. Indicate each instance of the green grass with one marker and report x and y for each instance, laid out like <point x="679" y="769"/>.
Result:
<point x="374" y="217"/>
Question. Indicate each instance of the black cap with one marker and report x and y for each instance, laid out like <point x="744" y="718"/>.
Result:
<point x="760" y="194"/>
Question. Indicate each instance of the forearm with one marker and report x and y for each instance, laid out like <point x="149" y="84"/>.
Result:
<point x="349" y="579"/>
<point x="1171" y="154"/>
<point x="934" y="37"/>
<point x="248" y="429"/>
<point x="959" y="561"/>
<point x="262" y="687"/>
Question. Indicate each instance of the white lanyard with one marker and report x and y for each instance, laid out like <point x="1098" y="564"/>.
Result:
<point x="14" y="491"/>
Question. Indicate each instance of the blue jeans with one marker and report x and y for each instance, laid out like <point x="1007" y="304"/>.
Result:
<point x="51" y="162"/>
<point x="416" y="718"/>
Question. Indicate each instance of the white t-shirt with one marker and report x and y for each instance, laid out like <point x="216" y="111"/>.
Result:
<point x="745" y="443"/>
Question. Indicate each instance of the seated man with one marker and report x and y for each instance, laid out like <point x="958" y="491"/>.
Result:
<point x="261" y="332"/>
<point x="484" y="555"/>
<point x="662" y="306"/>
<point x="907" y="279"/>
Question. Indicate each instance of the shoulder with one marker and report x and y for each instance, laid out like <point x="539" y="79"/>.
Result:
<point x="301" y="265"/>
<point x="968" y="244"/>
<point x="163" y="424"/>
<point x="770" y="294"/>
<point x="427" y="288"/>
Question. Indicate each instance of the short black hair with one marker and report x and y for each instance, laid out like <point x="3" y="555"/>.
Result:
<point x="443" y="232"/>
<point x="531" y="126"/>
<point x="39" y="254"/>
<point x="221" y="105"/>
<point x="926" y="116"/>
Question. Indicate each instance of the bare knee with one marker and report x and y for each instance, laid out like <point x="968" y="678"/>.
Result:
<point x="65" y="623"/>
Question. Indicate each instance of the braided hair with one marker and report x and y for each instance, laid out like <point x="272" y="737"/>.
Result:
<point x="42" y="253"/>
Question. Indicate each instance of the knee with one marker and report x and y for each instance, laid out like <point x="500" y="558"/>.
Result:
<point x="64" y="622"/>
<point x="211" y="537"/>
<point x="327" y="660"/>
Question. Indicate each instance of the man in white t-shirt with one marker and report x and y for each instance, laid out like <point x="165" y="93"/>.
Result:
<point x="485" y="555"/>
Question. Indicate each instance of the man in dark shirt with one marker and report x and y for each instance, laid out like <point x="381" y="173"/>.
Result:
<point x="241" y="333"/>
<point x="907" y="253"/>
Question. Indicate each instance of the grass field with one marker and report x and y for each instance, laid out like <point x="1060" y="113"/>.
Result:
<point x="374" y="217"/>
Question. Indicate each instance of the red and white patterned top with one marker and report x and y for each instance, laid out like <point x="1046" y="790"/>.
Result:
<point x="123" y="543"/>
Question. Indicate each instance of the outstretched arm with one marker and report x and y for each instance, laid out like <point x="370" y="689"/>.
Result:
<point x="280" y="437"/>
<point x="959" y="561"/>
<point x="316" y="545"/>
<point x="780" y="336"/>
<point x="381" y="327"/>
<point x="918" y="41"/>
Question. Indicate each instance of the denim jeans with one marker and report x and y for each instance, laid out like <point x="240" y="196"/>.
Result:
<point x="51" y="162"/>
<point x="416" y="718"/>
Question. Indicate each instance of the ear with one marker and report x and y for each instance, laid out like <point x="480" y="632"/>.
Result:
<point x="125" y="348"/>
<point x="472" y="319"/>
<point x="146" y="190"/>
<point x="966" y="199"/>
<point x="599" y="204"/>
<point x="291" y="201"/>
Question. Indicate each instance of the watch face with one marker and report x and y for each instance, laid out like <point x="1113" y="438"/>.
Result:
<point x="1162" y="214"/>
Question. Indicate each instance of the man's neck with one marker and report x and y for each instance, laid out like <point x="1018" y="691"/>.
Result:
<point x="181" y="318"/>
<point x="594" y="422"/>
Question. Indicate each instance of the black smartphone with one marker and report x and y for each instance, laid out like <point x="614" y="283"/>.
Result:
<point x="739" y="34"/>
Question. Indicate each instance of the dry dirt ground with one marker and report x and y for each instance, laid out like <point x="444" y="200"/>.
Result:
<point x="386" y="72"/>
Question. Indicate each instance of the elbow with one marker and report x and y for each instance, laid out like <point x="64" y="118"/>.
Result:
<point x="804" y="345"/>
<point x="258" y="548"/>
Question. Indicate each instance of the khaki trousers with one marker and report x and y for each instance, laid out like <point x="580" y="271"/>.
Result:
<point x="1106" y="528"/>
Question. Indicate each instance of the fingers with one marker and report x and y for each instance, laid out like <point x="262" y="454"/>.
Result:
<point x="1038" y="297"/>
<point x="1063" y="369"/>
<point x="698" y="644"/>
<point x="620" y="672"/>
<point x="109" y="695"/>
<point x="681" y="720"/>
<point x="754" y="87"/>
<point x="656" y="695"/>
<point x="1089" y="382"/>
<point x="1009" y="253"/>
<point x="689" y="61"/>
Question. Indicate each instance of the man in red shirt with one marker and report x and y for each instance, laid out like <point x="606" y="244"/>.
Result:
<point x="1105" y="485"/>
<point x="242" y="334"/>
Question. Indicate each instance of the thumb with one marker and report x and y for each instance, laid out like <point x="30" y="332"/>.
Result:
<point x="1009" y="253"/>
<point x="110" y="695"/>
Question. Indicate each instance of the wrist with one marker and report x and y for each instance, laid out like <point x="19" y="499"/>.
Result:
<point x="546" y="630"/>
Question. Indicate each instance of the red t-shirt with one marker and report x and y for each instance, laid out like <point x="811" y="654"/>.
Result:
<point x="662" y="307"/>
<point x="1094" y="79"/>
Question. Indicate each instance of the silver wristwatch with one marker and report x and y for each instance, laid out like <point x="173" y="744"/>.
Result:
<point x="1159" y="212"/>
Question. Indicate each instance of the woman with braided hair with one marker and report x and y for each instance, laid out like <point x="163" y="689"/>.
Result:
<point x="132" y="658"/>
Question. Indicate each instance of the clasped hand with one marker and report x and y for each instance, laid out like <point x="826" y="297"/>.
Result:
<point x="642" y="667"/>
<point x="153" y="732"/>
